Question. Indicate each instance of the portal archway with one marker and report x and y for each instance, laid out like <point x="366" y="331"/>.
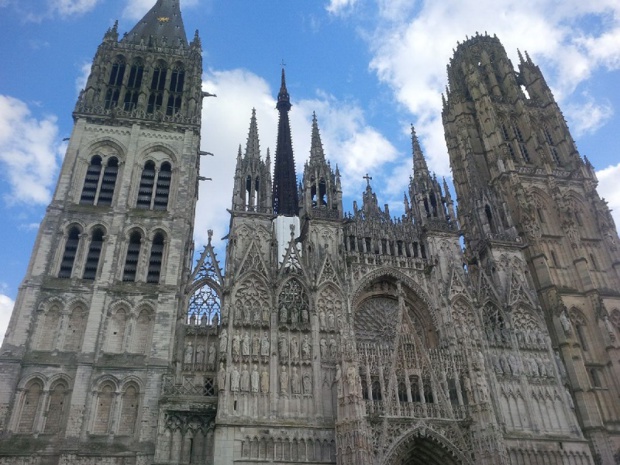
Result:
<point x="423" y="447"/>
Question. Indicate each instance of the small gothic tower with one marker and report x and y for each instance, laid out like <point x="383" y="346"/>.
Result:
<point x="93" y="327"/>
<point x="526" y="197"/>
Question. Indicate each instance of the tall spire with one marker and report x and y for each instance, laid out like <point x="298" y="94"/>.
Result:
<point x="316" y="146"/>
<point x="252" y="149"/>
<point x="163" y="22"/>
<point x="420" y="169"/>
<point x="284" y="179"/>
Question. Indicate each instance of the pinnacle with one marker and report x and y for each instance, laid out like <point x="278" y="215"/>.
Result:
<point x="316" y="147"/>
<point x="252" y="149"/>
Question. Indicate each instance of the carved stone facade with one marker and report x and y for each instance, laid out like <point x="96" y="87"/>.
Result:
<point x="359" y="338"/>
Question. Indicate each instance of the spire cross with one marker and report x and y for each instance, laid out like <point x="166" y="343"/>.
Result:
<point x="283" y="64"/>
<point x="367" y="178"/>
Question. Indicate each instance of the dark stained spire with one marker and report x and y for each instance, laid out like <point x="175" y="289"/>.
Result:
<point x="285" y="200"/>
<point x="162" y="23"/>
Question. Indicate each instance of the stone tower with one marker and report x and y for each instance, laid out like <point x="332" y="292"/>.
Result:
<point x="95" y="318"/>
<point x="533" y="221"/>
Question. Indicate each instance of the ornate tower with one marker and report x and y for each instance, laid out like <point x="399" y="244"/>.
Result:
<point x="535" y="225"/>
<point x="93" y="327"/>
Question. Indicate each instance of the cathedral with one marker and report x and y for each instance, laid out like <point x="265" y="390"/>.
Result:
<point x="487" y="334"/>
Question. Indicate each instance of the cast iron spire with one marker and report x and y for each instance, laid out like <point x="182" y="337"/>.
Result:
<point x="284" y="180"/>
<point x="162" y="22"/>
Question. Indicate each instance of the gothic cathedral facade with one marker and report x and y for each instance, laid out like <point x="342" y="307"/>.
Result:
<point x="491" y="336"/>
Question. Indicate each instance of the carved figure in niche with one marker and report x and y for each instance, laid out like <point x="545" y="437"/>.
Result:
<point x="223" y="342"/>
<point x="295" y="314"/>
<point x="245" y="344"/>
<point x="305" y="315"/>
<point x="305" y="349"/>
<point x="467" y="386"/>
<point x="212" y="354"/>
<point x="265" y="314"/>
<point x="571" y="403"/>
<point x="533" y="367"/>
<point x="189" y="354"/>
<point x="283" y="314"/>
<point x="322" y="322"/>
<point x="479" y="363"/>
<point x="352" y="380"/>
<point x="483" y="389"/>
<point x="475" y="335"/>
<point x="221" y="378"/>
<point x="333" y="347"/>
<point x="245" y="379"/>
<point x="200" y="355"/>
<point x="331" y="322"/>
<point x="236" y="346"/>
<point x="504" y="364"/>
<point x="560" y="365"/>
<point x="257" y="315"/>
<point x="541" y="367"/>
<point x="204" y="320"/>
<point x="498" y="365"/>
<point x="216" y="320"/>
<point x="610" y="329"/>
<point x="234" y="380"/>
<point x="283" y="381"/>
<point x="294" y="348"/>
<point x="307" y="384"/>
<point x="566" y="324"/>
<point x="256" y="345"/>
<point x="323" y="345"/>
<point x="283" y="347"/>
<point x="540" y="337"/>
<point x="254" y="379"/>
<point x="264" y="346"/>
<point x="338" y="381"/>
<point x="514" y="364"/>
<point x="295" y="382"/>
<point x="264" y="381"/>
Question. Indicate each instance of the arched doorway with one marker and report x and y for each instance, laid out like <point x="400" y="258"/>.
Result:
<point x="423" y="449"/>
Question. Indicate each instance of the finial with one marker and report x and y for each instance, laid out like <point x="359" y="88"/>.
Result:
<point x="210" y="234"/>
<point x="520" y="56"/>
<point x="292" y="227"/>
<point x="368" y="179"/>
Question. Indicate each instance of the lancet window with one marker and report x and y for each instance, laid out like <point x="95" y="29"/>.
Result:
<point x="204" y="306"/>
<point x="154" y="189"/>
<point x="94" y="253"/>
<point x="68" y="257"/>
<point x="158" y="85"/>
<point x="175" y="96"/>
<point x="99" y="182"/>
<point x="75" y="329"/>
<point x="31" y="400"/>
<point x="156" y="258"/>
<point x="115" y="83"/>
<point x="134" y="83"/>
<point x="56" y="408"/>
<point x="293" y="303"/>
<point x="132" y="257"/>
<point x="103" y="409"/>
<point x="130" y="401"/>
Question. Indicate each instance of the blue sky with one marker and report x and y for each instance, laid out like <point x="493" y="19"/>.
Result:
<point x="369" y="68"/>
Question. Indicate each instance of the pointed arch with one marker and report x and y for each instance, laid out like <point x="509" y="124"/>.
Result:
<point x="117" y="325"/>
<point x="129" y="408"/>
<point x="49" y="326"/>
<point x="76" y="326"/>
<point x="31" y="398"/>
<point x="57" y="406"/>
<point x="143" y="330"/>
<point x="104" y="400"/>
<point x="72" y="242"/>
<point x="293" y="302"/>
<point x="252" y="299"/>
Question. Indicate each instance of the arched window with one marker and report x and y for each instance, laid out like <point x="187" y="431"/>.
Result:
<point x="98" y="189"/>
<point x="115" y="83"/>
<point x="414" y="383"/>
<point x="490" y="220"/>
<point x="129" y="410"/>
<point x="175" y="97"/>
<point x="94" y="253"/>
<point x="116" y="331"/>
<point x="56" y="408"/>
<point x="157" y="254"/>
<point x="30" y="406"/>
<point x="162" y="191"/>
<point x="580" y="328"/>
<point x="144" y="327"/>
<point x="103" y="409"/>
<point x="376" y="390"/>
<point x="49" y="328"/>
<point x="133" y="85"/>
<point x="133" y="256"/>
<point x="158" y="84"/>
<point x="147" y="182"/>
<point x="68" y="257"/>
<point x="75" y="330"/>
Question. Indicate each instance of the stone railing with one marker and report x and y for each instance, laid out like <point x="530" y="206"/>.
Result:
<point x="188" y="387"/>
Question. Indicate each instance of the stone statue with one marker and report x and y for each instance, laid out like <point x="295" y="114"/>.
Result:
<point x="295" y="382"/>
<point x="571" y="403"/>
<point x="333" y="349"/>
<point x="352" y="380"/>
<point x="514" y="364"/>
<point x="256" y="346"/>
<point x="223" y="342"/>
<point x="234" y="380"/>
<point x="610" y="329"/>
<point x="566" y="324"/>
<point x="283" y="348"/>
<point x="254" y="379"/>
<point x="245" y="345"/>
<point x="221" y="378"/>
<point x="264" y="381"/>
<point x="307" y="384"/>
<point x="200" y="355"/>
<point x="283" y="381"/>
<point x="212" y="354"/>
<point x="331" y="322"/>
<point x="305" y="315"/>
<point x="322" y="322"/>
<point x="479" y="361"/>
<point x="265" y="315"/>
<point x="245" y="379"/>
<point x="256" y="316"/>
<point x="264" y="346"/>
<point x="560" y="365"/>
<point x="295" y="314"/>
<point x="483" y="389"/>
<point x="215" y="320"/>
<point x="283" y="314"/>
<point x="305" y="349"/>
<point x="323" y="345"/>
<point x="189" y="354"/>
<point x="338" y="381"/>
<point x="236" y="346"/>
<point x="294" y="348"/>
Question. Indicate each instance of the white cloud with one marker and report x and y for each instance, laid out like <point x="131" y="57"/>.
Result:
<point x="80" y="81"/>
<point x="347" y="139"/>
<point x="609" y="189"/>
<point x="339" y="7"/>
<point x="588" y="116"/>
<point x="29" y="152"/>
<point x="72" y="7"/>
<point x="413" y="41"/>
<point x="6" y="308"/>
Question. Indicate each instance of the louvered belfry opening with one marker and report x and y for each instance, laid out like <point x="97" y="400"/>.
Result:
<point x="162" y="191"/>
<point x="157" y="253"/>
<point x="132" y="257"/>
<point x="94" y="252"/>
<point x="108" y="183"/>
<point x="147" y="182"/>
<point x="91" y="181"/>
<point x="68" y="257"/>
